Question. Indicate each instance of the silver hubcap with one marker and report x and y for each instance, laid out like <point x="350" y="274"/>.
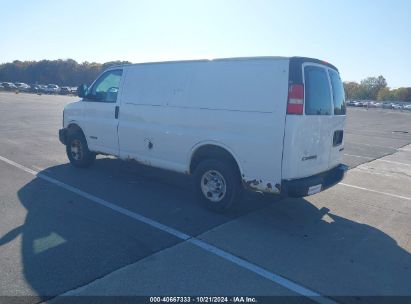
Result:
<point x="76" y="149"/>
<point x="213" y="186"/>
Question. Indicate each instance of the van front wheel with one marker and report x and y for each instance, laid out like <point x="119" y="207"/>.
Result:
<point x="217" y="184"/>
<point x="77" y="151"/>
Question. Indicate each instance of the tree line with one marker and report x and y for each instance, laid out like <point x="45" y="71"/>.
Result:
<point x="61" y="72"/>
<point x="375" y="88"/>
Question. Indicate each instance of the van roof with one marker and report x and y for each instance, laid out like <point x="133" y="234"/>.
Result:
<point x="294" y="58"/>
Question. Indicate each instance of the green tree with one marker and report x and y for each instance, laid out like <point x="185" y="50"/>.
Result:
<point x="404" y="94"/>
<point x="372" y="85"/>
<point x="351" y="89"/>
<point x="355" y="90"/>
<point x="385" y="94"/>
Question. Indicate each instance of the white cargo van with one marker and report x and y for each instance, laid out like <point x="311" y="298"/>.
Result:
<point x="270" y="124"/>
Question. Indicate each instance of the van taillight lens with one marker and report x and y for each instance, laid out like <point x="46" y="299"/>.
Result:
<point x="295" y="103"/>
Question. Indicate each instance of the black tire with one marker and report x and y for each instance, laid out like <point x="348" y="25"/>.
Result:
<point x="231" y="179"/>
<point x="84" y="158"/>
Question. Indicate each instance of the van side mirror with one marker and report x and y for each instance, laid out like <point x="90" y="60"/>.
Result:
<point x="82" y="91"/>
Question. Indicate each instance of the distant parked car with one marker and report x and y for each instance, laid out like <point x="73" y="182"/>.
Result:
<point x="64" y="91"/>
<point x="53" y="88"/>
<point x="397" y="106"/>
<point x="73" y="90"/>
<point x="34" y="88"/>
<point x="370" y="104"/>
<point x="42" y="88"/>
<point x="9" y="86"/>
<point x="351" y="103"/>
<point x="407" y="107"/>
<point x="386" y="105"/>
<point x="22" y="87"/>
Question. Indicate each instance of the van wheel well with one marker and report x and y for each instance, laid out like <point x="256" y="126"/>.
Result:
<point x="73" y="128"/>
<point x="212" y="152"/>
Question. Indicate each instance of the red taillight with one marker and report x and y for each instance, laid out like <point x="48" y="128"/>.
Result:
<point x="295" y="103"/>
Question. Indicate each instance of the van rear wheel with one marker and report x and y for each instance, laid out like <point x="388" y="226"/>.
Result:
<point x="217" y="184"/>
<point x="77" y="151"/>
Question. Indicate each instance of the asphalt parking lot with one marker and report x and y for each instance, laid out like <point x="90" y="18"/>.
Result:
<point x="122" y="229"/>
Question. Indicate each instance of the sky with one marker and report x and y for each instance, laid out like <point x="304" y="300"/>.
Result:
<point x="361" y="37"/>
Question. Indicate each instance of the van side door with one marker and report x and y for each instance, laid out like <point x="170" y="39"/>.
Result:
<point x="101" y="112"/>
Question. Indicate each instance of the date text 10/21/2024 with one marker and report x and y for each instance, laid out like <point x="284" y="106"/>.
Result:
<point x="205" y="299"/>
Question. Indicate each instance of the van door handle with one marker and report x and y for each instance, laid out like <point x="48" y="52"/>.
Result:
<point x="116" y="112"/>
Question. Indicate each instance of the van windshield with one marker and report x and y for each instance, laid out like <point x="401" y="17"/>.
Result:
<point x="317" y="91"/>
<point x="338" y="93"/>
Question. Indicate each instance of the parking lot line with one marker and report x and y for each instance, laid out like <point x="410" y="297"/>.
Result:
<point x="375" y="191"/>
<point x="360" y="156"/>
<point x="372" y="145"/>
<point x="10" y="162"/>
<point x="393" y="162"/>
<point x="181" y="235"/>
<point x="374" y="173"/>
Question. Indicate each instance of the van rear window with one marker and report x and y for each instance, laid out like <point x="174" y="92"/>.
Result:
<point x="317" y="91"/>
<point x="338" y="93"/>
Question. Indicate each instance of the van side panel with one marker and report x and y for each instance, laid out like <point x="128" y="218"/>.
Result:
<point x="176" y="107"/>
<point x="243" y="85"/>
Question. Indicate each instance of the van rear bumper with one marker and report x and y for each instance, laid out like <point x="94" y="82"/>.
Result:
<point x="313" y="184"/>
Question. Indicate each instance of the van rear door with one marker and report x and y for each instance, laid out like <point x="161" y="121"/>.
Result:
<point x="313" y="138"/>
<point x="338" y="121"/>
